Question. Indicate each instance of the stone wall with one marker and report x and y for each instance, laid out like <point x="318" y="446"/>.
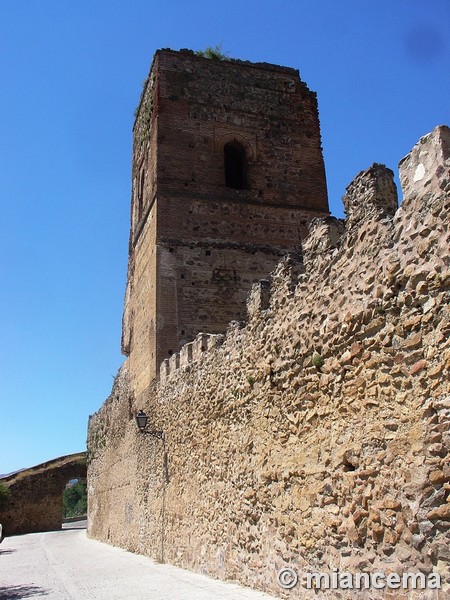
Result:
<point x="36" y="495"/>
<point x="316" y="433"/>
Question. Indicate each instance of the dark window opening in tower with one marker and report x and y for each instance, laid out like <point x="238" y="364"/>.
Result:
<point x="235" y="166"/>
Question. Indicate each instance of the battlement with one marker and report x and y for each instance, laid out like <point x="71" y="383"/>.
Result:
<point x="190" y="353"/>
<point x="369" y="254"/>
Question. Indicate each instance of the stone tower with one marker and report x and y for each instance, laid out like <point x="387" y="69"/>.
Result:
<point x="227" y="172"/>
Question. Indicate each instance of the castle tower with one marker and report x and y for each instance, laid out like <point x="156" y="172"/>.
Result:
<point x="227" y="172"/>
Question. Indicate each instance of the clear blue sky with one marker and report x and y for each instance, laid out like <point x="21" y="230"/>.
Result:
<point x="71" y="75"/>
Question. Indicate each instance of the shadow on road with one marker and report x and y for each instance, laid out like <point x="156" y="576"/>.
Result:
<point x="7" y="551"/>
<point x="15" y="592"/>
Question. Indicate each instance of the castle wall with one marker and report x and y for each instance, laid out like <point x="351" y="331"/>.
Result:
<point x="316" y="434"/>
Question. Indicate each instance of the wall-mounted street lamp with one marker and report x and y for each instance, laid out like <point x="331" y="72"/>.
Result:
<point x="141" y="420"/>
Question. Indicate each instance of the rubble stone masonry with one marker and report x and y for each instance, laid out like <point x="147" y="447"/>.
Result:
<point x="316" y="433"/>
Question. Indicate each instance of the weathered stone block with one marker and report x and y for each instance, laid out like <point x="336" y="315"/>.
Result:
<point x="186" y="354"/>
<point x="174" y="362"/>
<point x="323" y="234"/>
<point x="164" y="369"/>
<point x="372" y="194"/>
<point x="259" y="298"/>
<point x="199" y="346"/>
<point x="214" y="341"/>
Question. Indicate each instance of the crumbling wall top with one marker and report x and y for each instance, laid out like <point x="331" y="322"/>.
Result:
<point x="426" y="169"/>
<point x="371" y="194"/>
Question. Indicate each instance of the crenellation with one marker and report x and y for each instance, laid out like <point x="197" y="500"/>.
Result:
<point x="199" y="346"/>
<point x="186" y="354"/>
<point x="372" y="194"/>
<point x="258" y="298"/>
<point x="324" y="234"/>
<point x="215" y="341"/>
<point x="164" y="369"/>
<point x="192" y="352"/>
<point x="174" y="362"/>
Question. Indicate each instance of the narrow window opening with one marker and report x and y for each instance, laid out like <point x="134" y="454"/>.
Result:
<point x="141" y="193"/>
<point x="235" y="166"/>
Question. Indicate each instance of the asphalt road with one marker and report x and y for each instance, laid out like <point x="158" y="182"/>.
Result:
<point x="66" y="565"/>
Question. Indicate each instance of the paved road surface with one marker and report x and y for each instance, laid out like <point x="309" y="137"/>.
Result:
<point x="66" y="565"/>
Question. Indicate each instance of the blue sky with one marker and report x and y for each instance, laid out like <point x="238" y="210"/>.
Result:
<point x="71" y="75"/>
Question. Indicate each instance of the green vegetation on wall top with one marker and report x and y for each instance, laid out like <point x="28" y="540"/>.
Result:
<point x="215" y="53"/>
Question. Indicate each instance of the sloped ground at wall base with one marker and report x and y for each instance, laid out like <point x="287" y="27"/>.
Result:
<point x="36" y="494"/>
<point x="317" y="434"/>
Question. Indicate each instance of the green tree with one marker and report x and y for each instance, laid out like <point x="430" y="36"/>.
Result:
<point x="5" y="494"/>
<point x="75" y="500"/>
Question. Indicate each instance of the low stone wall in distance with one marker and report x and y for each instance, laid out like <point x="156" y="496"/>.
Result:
<point x="36" y="495"/>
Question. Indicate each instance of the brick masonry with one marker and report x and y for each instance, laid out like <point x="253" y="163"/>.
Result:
<point x="197" y="244"/>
